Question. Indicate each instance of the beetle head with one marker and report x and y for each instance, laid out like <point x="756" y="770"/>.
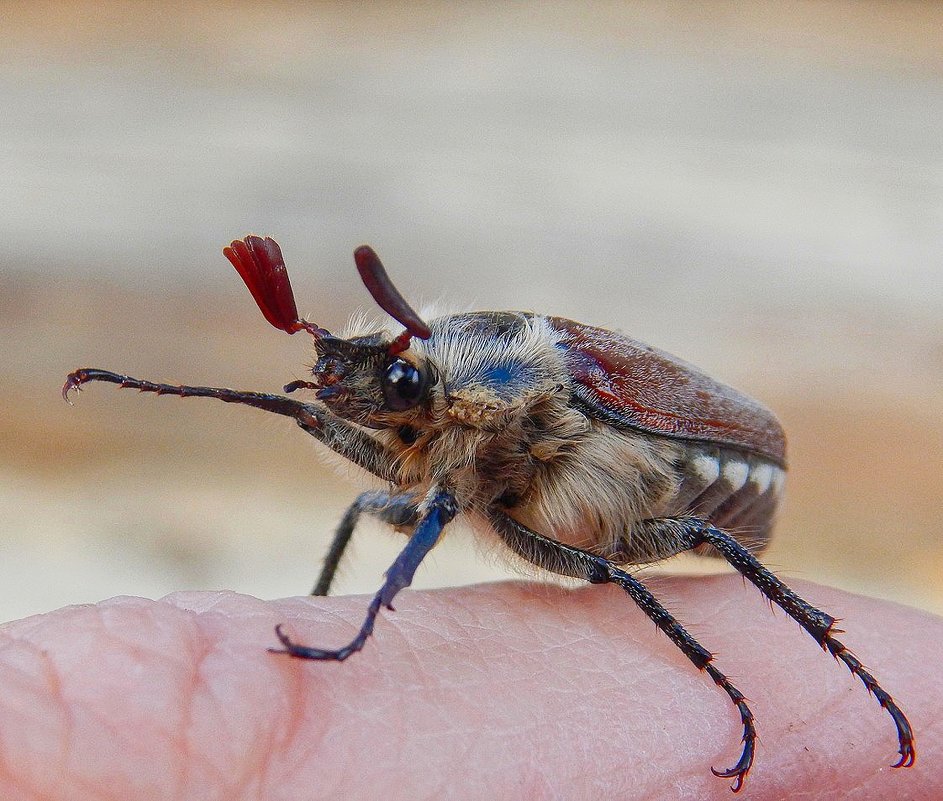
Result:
<point x="366" y="379"/>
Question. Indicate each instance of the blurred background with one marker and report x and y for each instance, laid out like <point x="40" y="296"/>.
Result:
<point x="757" y="188"/>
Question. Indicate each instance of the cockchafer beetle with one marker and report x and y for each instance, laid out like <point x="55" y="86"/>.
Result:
<point x="585" y="451"/>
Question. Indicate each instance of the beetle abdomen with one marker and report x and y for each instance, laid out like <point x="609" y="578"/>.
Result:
<point x="733" y="490"/>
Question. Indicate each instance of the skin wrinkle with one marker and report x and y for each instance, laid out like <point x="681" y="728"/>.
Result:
<point x="297" y="743"/>
<point x="252" y="768"/>
<point x="400" y="713"/>
<point x="120" y="735"/>
<point x="710" y="615"/>
<point x="21" y="792"/>
<point x="345" y="710"/>
<point x="475" y="632"/>
<point x="656" y="789"/>
<point x="580" y="767"/>
<point x="571" y="687"/>
<point x="185" y="740"/>
<point x="708" y="713"/>
<point x="437" y="791"/>
<point x="291" y="733"/>
<point x="527" y="762"/>
<point x="256" y="770"/>
<point x="650" y="662"/>
<point x="54" y="684"/>
<point x="142" y="649"/>
<point x="257" y="760"/>
<point x="182" y="662"/>
<point x="306" y="753"/>
<point x="117" y="632"/>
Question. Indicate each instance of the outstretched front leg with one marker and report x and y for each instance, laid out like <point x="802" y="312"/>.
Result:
<point x="340" y="436"/>
<point x="436" y="513"/>
<point x="577" y="563"/>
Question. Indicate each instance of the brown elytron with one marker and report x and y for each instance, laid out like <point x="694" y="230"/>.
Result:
<point x="643" y="387"/>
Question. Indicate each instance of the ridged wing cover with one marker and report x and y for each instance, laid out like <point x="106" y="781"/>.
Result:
<point x="627" y="383"/>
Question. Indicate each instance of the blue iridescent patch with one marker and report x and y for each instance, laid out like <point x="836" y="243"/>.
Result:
<point x="499" y="374"/>
<point x="505" y="380"/>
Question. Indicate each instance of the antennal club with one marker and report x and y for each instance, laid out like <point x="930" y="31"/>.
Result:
<point x="388" y="298"/>
<point x="260" y="264"/>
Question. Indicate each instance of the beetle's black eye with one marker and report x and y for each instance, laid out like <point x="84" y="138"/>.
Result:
<point x="403" y="385"/>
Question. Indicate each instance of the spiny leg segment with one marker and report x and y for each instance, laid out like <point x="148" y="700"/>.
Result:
<point x="576" y="563"/>
<point x="340" y="436"/>
<point x="684" y="533"/>
<point x="302" y="412"/>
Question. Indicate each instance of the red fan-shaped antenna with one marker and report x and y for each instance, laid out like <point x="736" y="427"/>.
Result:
<point x="388" y="298"/>
<point x="260" y="264"/>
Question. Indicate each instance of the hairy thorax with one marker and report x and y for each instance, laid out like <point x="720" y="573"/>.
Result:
<point x="501" y="428"/>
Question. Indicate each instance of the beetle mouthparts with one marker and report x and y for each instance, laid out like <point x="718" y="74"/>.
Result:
<point x="260" y="264"/>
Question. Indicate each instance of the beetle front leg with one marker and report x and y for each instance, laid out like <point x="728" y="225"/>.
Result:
<point x="685" y="533"/>
<point x="577" y="563"/>
<point x="340" y="436"/>
<point x="397" y="510"/>
<point x="438" y="512"/>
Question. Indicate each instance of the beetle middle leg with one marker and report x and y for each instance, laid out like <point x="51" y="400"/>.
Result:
<point x="438" y="512"/>
<point x="577" y="563"/>
<point x="674" y="535"/>
<point x="397" y="510"/>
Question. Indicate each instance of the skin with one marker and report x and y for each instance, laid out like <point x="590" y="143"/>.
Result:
<point x="505" y="691"/>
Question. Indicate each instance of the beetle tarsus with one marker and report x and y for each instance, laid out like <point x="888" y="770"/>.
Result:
<point x="905" y="738"/>
<point x="739" y="771"/>
<point x="307" y="652"/>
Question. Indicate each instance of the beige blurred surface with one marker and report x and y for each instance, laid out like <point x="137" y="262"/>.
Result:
<point x="756" y="188"/>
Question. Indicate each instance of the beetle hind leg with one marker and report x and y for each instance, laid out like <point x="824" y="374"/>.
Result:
<point x="702" y="659"/>
<point x="681" y="534"/>
<point x="817" y="623"/>
<point x="577" y="563"/>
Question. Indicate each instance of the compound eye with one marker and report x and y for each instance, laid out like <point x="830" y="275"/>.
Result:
<point x="403" y="385"/>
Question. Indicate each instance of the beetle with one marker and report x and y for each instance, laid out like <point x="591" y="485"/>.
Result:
<point x="586" y="452"/>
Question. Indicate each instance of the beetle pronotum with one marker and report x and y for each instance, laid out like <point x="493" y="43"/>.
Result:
<point x="585" y="451"/>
